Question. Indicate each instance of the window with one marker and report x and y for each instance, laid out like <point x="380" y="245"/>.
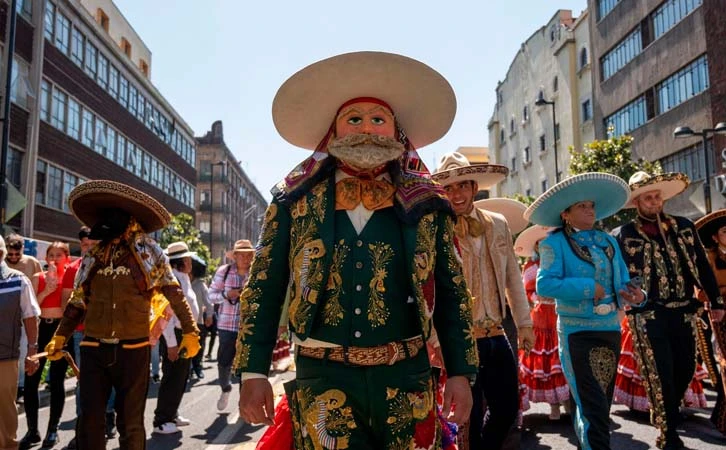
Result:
<point x="91" y="53"/>
<point x="140" y="102"/>
<point x="545" y="185"/>
<point x="555" y="83"/>
<point x="123" y="93"/>
<point x="77" y="46"/>
<point x="513" y="166"/>
<point x="501" y="136"/>
<point x="525" y="114"/>
<point x="69" y="182"/>
<point x="682" y="85"/>
<point x="511" y="126"/>
<point x="527" y="155"/>
<point x="14" y="166"/>
<point x="25" y="7"/>
<point x="528" y="192"/>
<point x="49" y="21"/>
<point x="113" y="81"/>
<point x="628" y="118"/>
<point x="204" y="226"/>
<point x="102" y="75"/>
<point x="121" y="151"/>
<point x="74" y="119"/>
<point x="604" y="7"/>
<point x="204" y="198"/>
<point x="101" y="141"/>
<point x="58" y="115"/>
<point x="557" y="132"/>
<point x="542" y="143"/>
<point x="126" y="47"/>
<point x="20" y="87"/>
<point x="583" y="57"/>
<point x="131" y="162"/>
<point x="146" y="171"/>
<point x="40" y="182"/>
<point x="621" y="54"/>
<point x="132" y="100"/>
<point x="155" y="172"/>
<point x="88" y="130"/>
<point x="62" y="32"/>
<point x="205" y="167"/>
<point x="690" y="161"/>
<point x="670" y="13"/>
<point x="45" y="100"/>
<point x="111" y="144"/>
<point x="144" y="68"/>
<point x="102" y="19"/>
<point x="55" y="187"/>
<point x="586" y="110"/>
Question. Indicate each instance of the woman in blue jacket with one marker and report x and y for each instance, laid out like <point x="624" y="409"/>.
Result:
<point x="582" y="269"/>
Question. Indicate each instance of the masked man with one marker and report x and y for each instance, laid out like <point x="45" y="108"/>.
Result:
<point x="117" y="283"/>
<point x="492" y="273"/>
<point x="667" y="253"/>
<point x="363" y="240"/>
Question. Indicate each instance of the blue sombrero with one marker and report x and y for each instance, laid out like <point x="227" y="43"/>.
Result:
<point x="608" y="192"/>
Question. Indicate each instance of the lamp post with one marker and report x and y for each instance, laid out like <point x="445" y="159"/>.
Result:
<point x="6" y="111"/>
<point x="684" y="132"/>
<point x="211" y="206"/>
<point x="539" y="101"/>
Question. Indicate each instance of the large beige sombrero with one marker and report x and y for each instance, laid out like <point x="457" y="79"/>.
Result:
<point x="421" y="99"/>
<point x="88" y="200"/>
<point x="669" y="185"/>
<point x="524" y="244"/>
<point x="511" y="209"/>
<point x="454" y="168"/>
<point x="709" y="225"/>
<point x="607" y="191"/>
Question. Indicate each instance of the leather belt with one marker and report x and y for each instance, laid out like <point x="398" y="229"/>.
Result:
<point x="47" y="320"/>
<point x="387" y="354"/>
<point x="676" y="304"/>
<point x="493" y="331"/>
<point x="604" y="309"/>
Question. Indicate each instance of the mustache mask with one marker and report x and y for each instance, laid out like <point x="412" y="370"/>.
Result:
<point x="365" y="151"/>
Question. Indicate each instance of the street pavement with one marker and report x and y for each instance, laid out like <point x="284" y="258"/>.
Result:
<point x="214" y="430"/>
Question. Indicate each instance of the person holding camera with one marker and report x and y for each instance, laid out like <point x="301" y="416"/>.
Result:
<point x="582" y="269"/>
<point x="667" y="253"/>
<point x="225" y="291"/>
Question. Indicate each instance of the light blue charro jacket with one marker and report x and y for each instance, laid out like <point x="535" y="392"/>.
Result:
<point x="570" y="280"/>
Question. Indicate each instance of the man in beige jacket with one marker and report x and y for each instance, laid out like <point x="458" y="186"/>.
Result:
<point x="493" y="275"/>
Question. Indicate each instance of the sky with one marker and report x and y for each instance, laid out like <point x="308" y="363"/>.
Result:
<point x="225" y="59"/>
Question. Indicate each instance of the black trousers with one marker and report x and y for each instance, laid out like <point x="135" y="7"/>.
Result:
<point x="594" y="358"/>
<point x="58" y="368"/>
<point x="126" y="370"/>
<point x="664" y="340"/>
<point x="498" y="384"/>
<point x="173" y="383"/>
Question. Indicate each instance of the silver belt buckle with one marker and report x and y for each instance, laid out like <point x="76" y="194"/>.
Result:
<point x="109" y="341"/>
<point x="603" y="309"/>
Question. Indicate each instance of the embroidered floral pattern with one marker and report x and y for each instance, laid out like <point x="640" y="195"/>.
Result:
<point x="603" y="364"/>
<point x="333" y="311"/>
<point x="327" y="421"/>
<point x="381" y="255"/>
<point x="412" y="413"/>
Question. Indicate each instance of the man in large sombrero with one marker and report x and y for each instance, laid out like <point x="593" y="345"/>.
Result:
<point x="666" y="252"/>
<point x="492" y="273"/>
<point x="362" y="239"/>
<point x="116" y="285"/>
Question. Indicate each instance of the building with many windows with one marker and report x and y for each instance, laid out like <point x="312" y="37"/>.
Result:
<point x="85" y="108"/>
<point x="525" y="134"/>
<point x="230" y="206"/>
<point x="657" y="65"/>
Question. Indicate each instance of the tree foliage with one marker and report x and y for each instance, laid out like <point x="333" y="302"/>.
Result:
<point x="181" y="228"/>
<point x="613" y="156"/>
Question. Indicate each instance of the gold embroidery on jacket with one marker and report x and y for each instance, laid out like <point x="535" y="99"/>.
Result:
<point x="333" y="311"/>
<point x="381" y="255"/>
<point x="327" y="420"/>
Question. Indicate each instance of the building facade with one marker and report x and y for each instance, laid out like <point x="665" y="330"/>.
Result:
<point x="85" y="108"/>
<point x="526" y="135"/>
<point x="658" y="65"/>
<point x="229" y="205"/>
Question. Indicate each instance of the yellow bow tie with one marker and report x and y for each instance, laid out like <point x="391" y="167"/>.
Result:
<point x="468" y="226"/>
<point x="374" y="194"/>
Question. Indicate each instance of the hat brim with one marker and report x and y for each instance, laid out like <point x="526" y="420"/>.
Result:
<point x="524" y="244"/>
<point x="607" y="191"/>
<point x="511" y="209"/>
<point x="422" y="101"/>
<point x="88" y="200"/>
<point x="709" y="225"/>
<point x="669" y="185"/>
<point x="485" y="175"/>
<point x="182" y="255"/>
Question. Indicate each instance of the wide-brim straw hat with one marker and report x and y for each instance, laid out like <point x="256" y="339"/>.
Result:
<point x="709" y="225"/>
<point x="240" y="246"/>
<point x="669" y="185"/>
<point x="88" y="200"/>
<point x="511" y="209"/>
<point x="422" y="101"/>
<point x="178" y="250"/>
<point x="608" y="192"/>
<point x="524" y="244"/>
<point x="455" y="167"/>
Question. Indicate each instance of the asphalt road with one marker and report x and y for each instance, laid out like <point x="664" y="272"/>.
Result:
<point x="214" y="430"/>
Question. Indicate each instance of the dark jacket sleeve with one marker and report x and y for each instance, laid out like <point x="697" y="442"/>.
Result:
<point x="705" y="271"/>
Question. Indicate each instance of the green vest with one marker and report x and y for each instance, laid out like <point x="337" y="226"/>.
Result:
<point x="368" y="300"/>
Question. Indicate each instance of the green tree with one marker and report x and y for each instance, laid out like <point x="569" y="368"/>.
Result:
<point x="181" y="228"/>
<point x="613" y="156"/>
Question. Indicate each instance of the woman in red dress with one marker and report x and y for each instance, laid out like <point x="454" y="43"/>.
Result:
<point x="540" y="369"/>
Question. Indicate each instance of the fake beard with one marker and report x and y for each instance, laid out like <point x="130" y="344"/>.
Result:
<point x="365" y="151"/>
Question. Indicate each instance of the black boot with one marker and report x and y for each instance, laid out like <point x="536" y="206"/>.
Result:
<point x="30" y="438"/>
<point x="51" y="439"/>
<point x="110" y="425"/>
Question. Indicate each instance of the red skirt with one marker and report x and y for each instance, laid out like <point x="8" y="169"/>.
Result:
<point x="541" y="370"/>
<point x="629" y="388"/>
